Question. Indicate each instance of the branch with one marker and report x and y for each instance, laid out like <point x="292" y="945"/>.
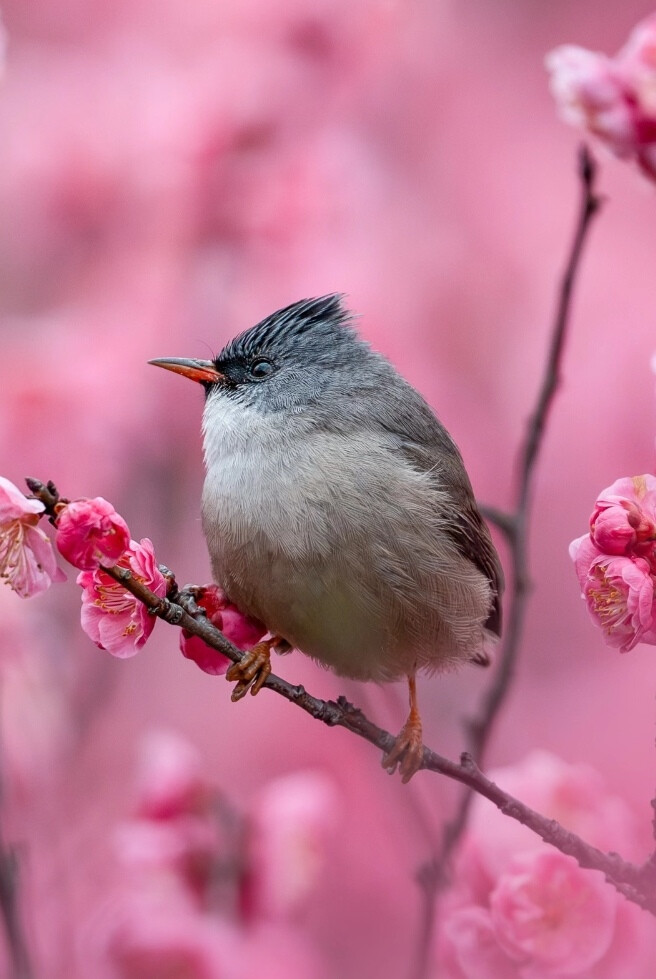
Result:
<point x="638" y="884"/>
<point x="479" y="728"/>
<point x="434" y="875"/>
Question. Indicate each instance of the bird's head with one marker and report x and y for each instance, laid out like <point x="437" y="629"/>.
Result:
<point x="284" y="362"/>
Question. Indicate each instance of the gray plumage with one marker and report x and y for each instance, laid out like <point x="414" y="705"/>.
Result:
<point x="336" y="507"/>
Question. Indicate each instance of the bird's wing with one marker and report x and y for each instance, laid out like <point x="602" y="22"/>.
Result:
<point x="465" y="526"/>
<point x="429" y="448"/>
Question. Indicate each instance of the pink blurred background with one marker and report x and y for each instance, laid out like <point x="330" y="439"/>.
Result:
<point x="171" y="171"/>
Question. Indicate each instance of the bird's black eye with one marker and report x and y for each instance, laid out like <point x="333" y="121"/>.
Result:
<point x="260" y="368"/>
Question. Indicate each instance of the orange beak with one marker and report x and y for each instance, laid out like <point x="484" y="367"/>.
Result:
<point x="202" y="371"/>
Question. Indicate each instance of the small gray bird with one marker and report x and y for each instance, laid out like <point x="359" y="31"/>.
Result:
<point x="337" y="509"/>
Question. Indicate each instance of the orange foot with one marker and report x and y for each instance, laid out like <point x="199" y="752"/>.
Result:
<point x="252" y="671"/>
<point x="408" y="749"/>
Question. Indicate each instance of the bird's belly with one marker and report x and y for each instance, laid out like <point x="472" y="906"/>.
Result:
<point x="344" y="563"/>
<point x="318" y="611"/>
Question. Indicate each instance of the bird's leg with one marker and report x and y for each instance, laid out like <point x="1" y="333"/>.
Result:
<point x="254" y="668"/>
<point x="408" y="749"/>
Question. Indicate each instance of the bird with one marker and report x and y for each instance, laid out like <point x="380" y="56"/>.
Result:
<point x="337" y="510"/>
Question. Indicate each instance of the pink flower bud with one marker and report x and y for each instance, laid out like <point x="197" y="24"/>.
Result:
<point x="90" y="533"/>
<point x="624" y="518"/>
<point x="27" y="559"/>
<point x="111" y="616"/>
<point x="240" y="629"/>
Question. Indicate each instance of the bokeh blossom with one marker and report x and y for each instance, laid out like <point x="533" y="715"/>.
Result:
<point x="183" y="906"/>
<point x="523" y="910"/>
<point x="290" y="826"/>
<point x="241" y="629"/>
<point x="111" y="616"/>
<point x="90" y="533"/>
<point x="548" y="914"/>
<point x="27" y="558"/>
<point x="613" y="98"/>
<point x="616" y="562"/>
<point x="169" y="779"/>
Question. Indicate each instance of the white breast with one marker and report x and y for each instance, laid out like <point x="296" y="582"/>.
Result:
<point x="335" y="543"/>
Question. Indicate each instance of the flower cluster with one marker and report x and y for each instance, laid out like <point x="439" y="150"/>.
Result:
<point x="93" y="537"/>
<point x="521" y="910"/>
<point x="616" y="562"/>
<point x="197" y="896"/>
<point x="613" y="98"/>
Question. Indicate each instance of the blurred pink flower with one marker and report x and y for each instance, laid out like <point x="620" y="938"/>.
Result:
<point x="468" y="946"/>
<point x="590" y="93"/>
<point x="575" y="795"/>
<point x="170" y="780"/>
<point x="522" y="910"/>
<point x="624" y="517"/>
<point x="111" y="616"/>
<point x="90" y="533"/>
<point x="277" y="951"/>
<point x="291" y="824"/>
<point x="613" y="98"/>
<point x="184" y="849"/>
<point x="158" y="935"/>
<point x="241" y="629"/>
<point x="551" y="916"/>
<point x="37" y="724"/>
<point x="27" y="559"/>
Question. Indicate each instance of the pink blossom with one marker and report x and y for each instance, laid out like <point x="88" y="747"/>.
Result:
<point x="637" y="61"/>
<point x="183" y="849"/>
<point x="37" y="727"/>
<point x="575" y="795"/>
<point x="277" y="951"/>
<point x="469" y="946"/>
<point x="27" y="559"/>
<point x="551" y="916"/>
<point x="111" y="616"/>
<point x="241" y="629"/>
<point x="291" y="824"/>
<point x="90" y="533"/>
<point x="613" y="98"/>
<point x="619" y="592"/>
<point x="152" y="934"/>
<point x="520" y="909"/>
<point x="590" y="93"/>
<point x="170" y="780"/>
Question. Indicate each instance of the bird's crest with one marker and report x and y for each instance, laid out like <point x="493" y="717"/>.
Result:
<point x="289" y="323"/>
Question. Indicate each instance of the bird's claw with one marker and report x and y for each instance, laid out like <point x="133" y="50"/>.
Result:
<point x="252" y="671"/>
<point x="407" y="751"/>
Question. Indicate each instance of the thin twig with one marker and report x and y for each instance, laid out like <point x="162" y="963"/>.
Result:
<point x="10" y="913"/>
<point x="434" y="875"/>
<point x="634" y="882"/>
